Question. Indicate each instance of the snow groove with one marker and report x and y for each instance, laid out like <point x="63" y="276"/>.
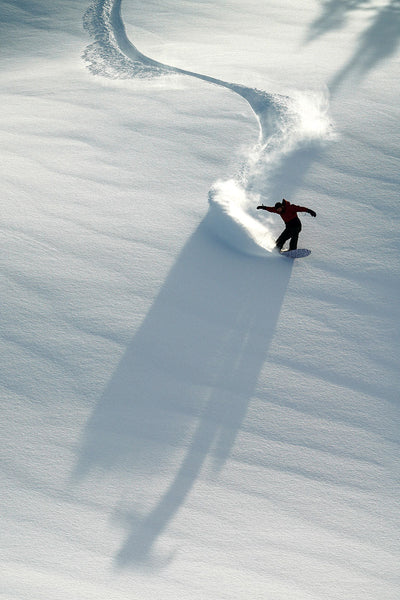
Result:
<point x="104" y="56"/>
<point x="113" y="55"/>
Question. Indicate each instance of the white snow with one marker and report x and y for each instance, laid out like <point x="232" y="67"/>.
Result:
<point x="185" y="414"/>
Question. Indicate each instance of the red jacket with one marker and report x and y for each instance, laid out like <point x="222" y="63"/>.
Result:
<point x="290" y="210"/>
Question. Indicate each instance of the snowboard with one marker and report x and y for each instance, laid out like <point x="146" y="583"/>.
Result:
<point x="298" y="253"/>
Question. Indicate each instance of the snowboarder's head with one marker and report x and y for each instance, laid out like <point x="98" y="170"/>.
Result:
<point x="279" y="206"/>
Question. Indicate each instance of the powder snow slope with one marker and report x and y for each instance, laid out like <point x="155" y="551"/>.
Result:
<point x="185" y="414"/>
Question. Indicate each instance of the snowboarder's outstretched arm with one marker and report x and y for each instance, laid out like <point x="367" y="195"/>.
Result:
<point x="304" y="209"/>
<point x="268" y="208"/>
<point x="281" y="206"/>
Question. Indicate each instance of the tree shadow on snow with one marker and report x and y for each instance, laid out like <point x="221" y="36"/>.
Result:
<point x="376" y="43"/>
<point x="334" y="15"/>
<point x="185" y="380"/>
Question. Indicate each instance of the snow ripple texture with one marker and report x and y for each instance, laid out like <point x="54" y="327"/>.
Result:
<point x="286" y="124"/>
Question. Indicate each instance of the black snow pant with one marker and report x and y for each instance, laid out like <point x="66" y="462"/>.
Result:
<point x="291" y="232"/>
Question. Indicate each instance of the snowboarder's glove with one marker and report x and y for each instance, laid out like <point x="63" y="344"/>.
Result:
<point x="261" y="206"/>
<point x="312" y="213"/>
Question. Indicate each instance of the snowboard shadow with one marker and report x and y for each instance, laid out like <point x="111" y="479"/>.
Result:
<point x="183" y="386"/>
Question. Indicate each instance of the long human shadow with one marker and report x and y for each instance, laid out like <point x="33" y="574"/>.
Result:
<point x="186" y="379"/>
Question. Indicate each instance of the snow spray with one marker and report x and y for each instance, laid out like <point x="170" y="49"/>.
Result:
<point x="286" y="124"/>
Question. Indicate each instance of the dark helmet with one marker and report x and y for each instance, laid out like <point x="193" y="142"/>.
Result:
<point x="278" y="205"/>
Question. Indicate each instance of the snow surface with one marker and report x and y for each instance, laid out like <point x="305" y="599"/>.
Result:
<point x="184" y="413"/>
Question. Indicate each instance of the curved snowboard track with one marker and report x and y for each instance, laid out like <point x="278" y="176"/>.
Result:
<point x="113" y="55"/>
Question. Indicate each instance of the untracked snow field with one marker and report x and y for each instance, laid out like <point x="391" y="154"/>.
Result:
<point x="186" y="414"/>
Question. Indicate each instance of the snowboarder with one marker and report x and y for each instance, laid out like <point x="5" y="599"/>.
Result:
<point x="288" y="213"/>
